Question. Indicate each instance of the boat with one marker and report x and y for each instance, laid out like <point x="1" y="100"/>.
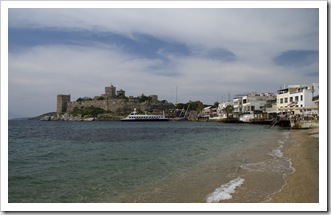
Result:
<point x="304" y="121"/>
<point x="182" y="118"/>
<point x="134" y="117"/>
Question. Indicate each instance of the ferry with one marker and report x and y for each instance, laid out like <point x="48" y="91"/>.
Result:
<point x="133" y="116"/>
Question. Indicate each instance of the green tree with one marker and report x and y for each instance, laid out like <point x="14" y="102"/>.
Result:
<point x="182" y="105"/>
<point x="144" y="98"/>
<point x="83" y="99"/>
<point x="196" y="105"/>
<point x="228" y="109"/>
<point x="101" y="98"/>
<point x="88" y="111"/>
<point x="121" y="96"/>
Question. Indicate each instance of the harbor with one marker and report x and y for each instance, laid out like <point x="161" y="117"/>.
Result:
<point x="293" y="106"/>
<point x="172" y="106"/>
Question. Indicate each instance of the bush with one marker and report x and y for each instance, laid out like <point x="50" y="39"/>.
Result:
<point x="100" y="98"/>
<point x="88" y="111"/>
<point x="83" y="99"/>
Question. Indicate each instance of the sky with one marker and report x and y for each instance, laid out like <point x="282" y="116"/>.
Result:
<point x="207" y="54"/>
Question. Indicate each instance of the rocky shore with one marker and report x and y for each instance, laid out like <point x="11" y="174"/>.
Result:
<point x="69" y="117"/>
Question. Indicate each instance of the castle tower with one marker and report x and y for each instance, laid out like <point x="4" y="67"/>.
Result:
<point x="110" y="92"/>
<point x="62" y="103"/>
<point x="120" y="93"/>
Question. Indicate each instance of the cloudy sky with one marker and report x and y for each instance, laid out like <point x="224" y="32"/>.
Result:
<point x="206" y="53"/>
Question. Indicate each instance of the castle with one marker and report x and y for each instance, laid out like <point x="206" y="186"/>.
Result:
<point x="113" y="101"/>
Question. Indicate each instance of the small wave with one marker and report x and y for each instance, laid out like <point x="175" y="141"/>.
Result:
<point x="276" y="153"/>
<point x="224" y="192"/>
<point x="282" y="166"/>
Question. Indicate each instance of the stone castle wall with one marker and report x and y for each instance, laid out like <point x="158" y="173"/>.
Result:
<point x="112" y="103"/>
<point x="120" y="105"/>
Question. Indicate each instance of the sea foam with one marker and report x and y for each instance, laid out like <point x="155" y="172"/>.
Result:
<point x="224" y="192"/>
<point x="276" y="153"/>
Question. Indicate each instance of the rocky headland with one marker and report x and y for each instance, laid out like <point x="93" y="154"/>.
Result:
<point x="70" y="117"/>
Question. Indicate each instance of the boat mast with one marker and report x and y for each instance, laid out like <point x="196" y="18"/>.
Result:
<point x="187" y="110"/>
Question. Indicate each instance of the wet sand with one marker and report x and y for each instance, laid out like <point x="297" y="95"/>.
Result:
<point x="303" y="185"/>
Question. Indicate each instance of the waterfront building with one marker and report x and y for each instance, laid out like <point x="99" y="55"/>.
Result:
<point x="237" y="106"/>
<point x="252" y="102"/>
<point x="221" y="112"/>
<point x="257" y="101"/>
<point x="298" y="98"/>
<point x="208" y="112"/>
<point x="253" y="106"/>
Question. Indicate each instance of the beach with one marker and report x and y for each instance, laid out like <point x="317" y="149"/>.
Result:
<point x="303" y="185"/>
<point x="160" y="162"/>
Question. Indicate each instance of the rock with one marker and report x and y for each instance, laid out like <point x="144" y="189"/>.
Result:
<point x="89" y="119"/>
<point x="45" y="118"/>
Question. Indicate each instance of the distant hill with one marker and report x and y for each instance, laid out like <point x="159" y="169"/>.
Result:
<point x="24" y="118"/>
<point x="42" y="115"/>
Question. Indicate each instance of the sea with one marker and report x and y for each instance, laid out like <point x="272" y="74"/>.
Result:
<point x="145" y="162"/>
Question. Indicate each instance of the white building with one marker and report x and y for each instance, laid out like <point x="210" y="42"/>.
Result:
<point x="220" y="109"/>
<point x="253" y="102"/>
<point x="237" y="106"/>
<point x="253" y="105"/>
<point x="297" y="98"/>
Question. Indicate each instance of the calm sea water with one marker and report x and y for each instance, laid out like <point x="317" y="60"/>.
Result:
<point x="145" y="162"/>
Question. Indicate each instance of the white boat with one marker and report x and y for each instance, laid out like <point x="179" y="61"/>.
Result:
<point x="304" y="124"/>
<point x="246" y="117"/>
<point x="133" y="116"/>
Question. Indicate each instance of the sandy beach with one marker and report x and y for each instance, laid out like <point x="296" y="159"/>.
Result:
<point x="303" y="185"/>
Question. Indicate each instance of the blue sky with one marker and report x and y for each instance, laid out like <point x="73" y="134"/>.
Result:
<point x="206" y="53"/>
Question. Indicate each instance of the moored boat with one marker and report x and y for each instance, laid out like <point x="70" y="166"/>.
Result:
<point x="304" y="121"/>
<point x="133" y="116"/>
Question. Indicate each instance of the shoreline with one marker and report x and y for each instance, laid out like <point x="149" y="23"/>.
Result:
<point x="302" y="186"/>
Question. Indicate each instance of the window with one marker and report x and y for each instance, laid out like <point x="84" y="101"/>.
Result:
<point x="297" y="98"/>
<point x="291" y="99"/>
<point x="301" y="98"/>
<point x="281" y="100"/>
<point x="286" y="100"/>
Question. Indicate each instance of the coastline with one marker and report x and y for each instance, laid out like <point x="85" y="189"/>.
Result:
<point x="302" y="186"/>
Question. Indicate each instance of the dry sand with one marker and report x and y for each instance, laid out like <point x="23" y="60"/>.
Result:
<point x="303" y="185"/>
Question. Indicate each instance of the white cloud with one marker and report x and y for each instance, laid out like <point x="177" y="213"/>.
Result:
<point x="225" y="28"/>
<point x="81" y="71"/>
<point x="255" y="36"/>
